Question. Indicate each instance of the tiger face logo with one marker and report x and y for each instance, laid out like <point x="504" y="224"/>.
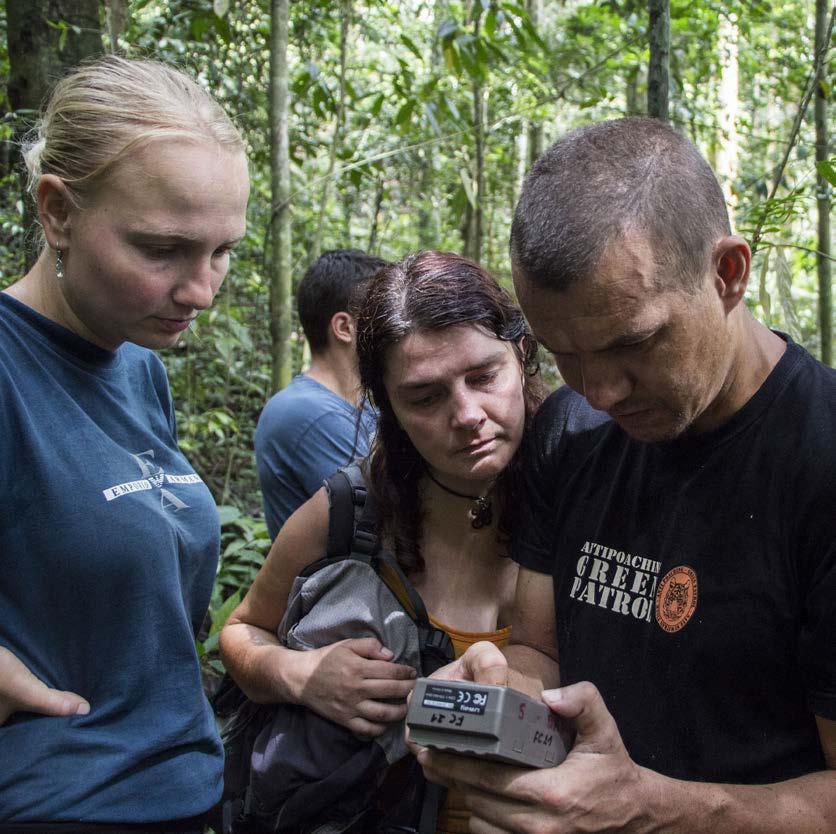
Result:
<point x="676" y="599"/>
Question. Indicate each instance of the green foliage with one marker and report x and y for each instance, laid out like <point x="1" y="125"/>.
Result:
<point x="244" y="546"/>
<point x="404" y="168"/>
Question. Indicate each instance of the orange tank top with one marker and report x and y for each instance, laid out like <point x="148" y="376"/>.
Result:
<point x="453" y="817"/>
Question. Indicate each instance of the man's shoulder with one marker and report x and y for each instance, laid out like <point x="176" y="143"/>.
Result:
<point x="566" y="413"/>
<point x="807" y="399"/>
<point x="304" y="399"/>
<point x="805" y="423"/>
<point x="816" y="378"/>
<point x="302" y="408"/>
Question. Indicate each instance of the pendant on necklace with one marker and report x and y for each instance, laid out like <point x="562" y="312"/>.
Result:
<point x="481" y="514"/>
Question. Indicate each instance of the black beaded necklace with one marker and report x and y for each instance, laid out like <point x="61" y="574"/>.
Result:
<point x="480" y="514"/>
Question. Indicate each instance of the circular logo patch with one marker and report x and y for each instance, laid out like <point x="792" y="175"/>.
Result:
<point x="676" y="598"/>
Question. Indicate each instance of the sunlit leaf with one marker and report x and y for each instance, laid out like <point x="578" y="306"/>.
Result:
<point x="490" y="23"/>
<point x="783" y="277"/>
<point x="447" y="29"/>
<point x="228" y="514"/>
<point x="220" y="616"/>
<point x="827" y="170"/>
<point x="410" y="45"/>
<point x="405" y="113"/>
<point x="467" y="184"/>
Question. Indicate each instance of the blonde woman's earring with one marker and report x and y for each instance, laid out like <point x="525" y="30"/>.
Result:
<point x="59" y="265"/>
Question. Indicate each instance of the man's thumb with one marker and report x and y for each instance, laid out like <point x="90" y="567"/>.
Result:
<point x="583" y="705"/>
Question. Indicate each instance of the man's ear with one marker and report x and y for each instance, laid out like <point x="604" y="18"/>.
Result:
<point x="731" y="259"/>
<point x="54" y="209"/>
<point x="342" y="327"/>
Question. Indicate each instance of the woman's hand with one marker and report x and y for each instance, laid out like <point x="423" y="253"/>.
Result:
<point x="21" y="691"/>
<point x="350" y="682"/>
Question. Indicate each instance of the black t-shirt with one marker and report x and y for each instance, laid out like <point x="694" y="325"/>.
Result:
<point x="695" y="581"/>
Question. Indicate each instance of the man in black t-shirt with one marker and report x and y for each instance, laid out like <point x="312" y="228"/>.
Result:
<point x="680" y="555"/>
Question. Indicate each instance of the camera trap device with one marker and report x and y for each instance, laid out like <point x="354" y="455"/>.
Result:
<point x="491" y="722"/>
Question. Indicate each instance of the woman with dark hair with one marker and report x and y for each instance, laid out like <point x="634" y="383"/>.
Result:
<point x="449" y="362"/>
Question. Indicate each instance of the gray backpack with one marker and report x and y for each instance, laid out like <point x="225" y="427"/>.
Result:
<point x="290" y="770"/>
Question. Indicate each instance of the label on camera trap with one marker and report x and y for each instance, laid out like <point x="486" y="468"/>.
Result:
<point x="470" y="700"/>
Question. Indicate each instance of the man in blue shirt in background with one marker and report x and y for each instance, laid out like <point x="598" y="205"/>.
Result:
<point x="310" y="429"/>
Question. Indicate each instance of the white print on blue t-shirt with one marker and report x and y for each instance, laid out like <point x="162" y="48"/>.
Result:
<point x="153" y="477"/>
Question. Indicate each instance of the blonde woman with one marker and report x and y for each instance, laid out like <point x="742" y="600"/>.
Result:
<point x="108" y="537"/>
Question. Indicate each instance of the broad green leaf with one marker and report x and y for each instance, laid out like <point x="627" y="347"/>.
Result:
<point x="451" y="106"/>
<point x="234" y="547"/>
<point x="240" y="570"/>
<point x="467" y="183"/>
<point x="534" y="34"/>
<point x="490" y="23"/>
<point x="228" y="514"/>
<point x="429" y="109"/>
<point x="405" y="113"/>
<point x="449" y="57"/>
<point x="784" y="280"/>
<point x="447" y="29"/>
<point x="222" y="614"/>
<point x="222" y="28"/>
<point x="200" y="26"/>
<point x="827" y="170"/>
<point x="210" y="644"/>
<point x="410" y="45"/>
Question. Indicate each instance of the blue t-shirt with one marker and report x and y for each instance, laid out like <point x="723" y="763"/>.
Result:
<point x="305" y="433"/>
<point x="108" y="548"/>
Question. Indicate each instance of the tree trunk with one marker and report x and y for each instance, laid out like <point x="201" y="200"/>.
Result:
<point x="632" y="104"/>
<point x="658" y="70"/>
<point x="727" y="146"/>
<point x="280" y="267"/>
<point x="336" y="138"/>
<point x="428" y="231"/>
<point x="378" y="202"/>
<point x="39" y="54"/>
<point x="479" y="143"/>
<point x="823" y="191"/>
<point x="116" y="16"/>
<point x="535" y="129"/>
<point x="523" y="164"/>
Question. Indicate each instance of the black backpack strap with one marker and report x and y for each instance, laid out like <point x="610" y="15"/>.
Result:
<point x="352" y="515"/>
<point x="352" y="532"/>
<point x="341" y="513"/>
<point x="434" y="796"/>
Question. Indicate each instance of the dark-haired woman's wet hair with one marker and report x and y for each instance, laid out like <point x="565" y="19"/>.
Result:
<point x="430" y="291"/>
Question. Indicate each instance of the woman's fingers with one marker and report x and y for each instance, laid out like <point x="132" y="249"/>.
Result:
<point x="22" y="691"/>
<point x="385" y="670"/>
<point x="381" y="690"/>
<point x="379" y="712"/>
